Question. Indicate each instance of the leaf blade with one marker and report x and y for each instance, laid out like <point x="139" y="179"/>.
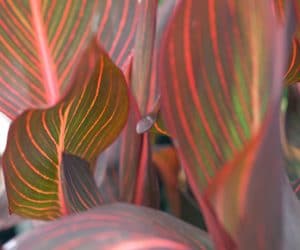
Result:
<point x="37" y="57"/>
<point x="145" y="228"/>
<point x="86" y="121"/>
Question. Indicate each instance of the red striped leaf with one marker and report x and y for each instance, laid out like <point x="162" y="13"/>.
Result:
<point x="143" y="53"/>
<point x="246" y="206"/>
<point x="128" y="161"/>
<point x="117" y="28"/>
<point x="220" y="80"/>
<point x="117" y="226"/>
<point x="147" y="90"/>
<point x="41" y="41"/>
<point x="137" y="176"/>
<point x="83" y="124"/>
<point x="218" y="100"/>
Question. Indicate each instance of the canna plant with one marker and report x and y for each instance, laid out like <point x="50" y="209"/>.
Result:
<point x="85" y="83"/>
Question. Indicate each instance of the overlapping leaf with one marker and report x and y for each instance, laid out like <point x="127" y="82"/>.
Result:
<point x="217" y="80"/>
<point x="220" y="80"/>
<point x="41" y="42"/>
<point x="117" y="226"/>
<point x="246" y="206"/>
<point x="143" y="53"/>
<point x="147" y="91"/>
<point x="144" y="86"/>
<point x="137" y="181"/>
<point x="117" y="28"/>
<point x="86" y="121"/>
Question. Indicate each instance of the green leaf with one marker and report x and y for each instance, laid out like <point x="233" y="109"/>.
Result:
<point x="83" y="124"/>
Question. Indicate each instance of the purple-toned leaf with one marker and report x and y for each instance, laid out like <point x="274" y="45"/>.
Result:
<point x="244" y="204"/>
<point x="143" y="53"/>
<point x="107" y="171"/>
<point x="220" y="86"/>
<point x="41" y="42"/>
<point x="117" y="226"/>
<point x="83" y="124"/>
<point x="215" y="92"/>
<point x="78" y="185"/>
<point x="149" y="95"/>
<point x="137" y="176"/>
<point x="117" y="28"/>
<point x="137" y="179"/>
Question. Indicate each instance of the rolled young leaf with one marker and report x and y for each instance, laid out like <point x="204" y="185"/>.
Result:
<point x="83" y="124"/>
<point x="41" y="43"/>
<point x="117" y="226"/>
<point x="143" y="53"/>
<point x="140" y="175"/>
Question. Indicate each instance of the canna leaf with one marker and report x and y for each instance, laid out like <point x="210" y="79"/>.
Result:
<point x="220" y="82"/>
<point x="41" y="43"/>
<point x="117" y="28"/>
<point x="83" y="124"/>
<point x="143" y="53"/>
<point x="148" y="93"/>
<point x="107" y="172"/>
<point x="244" y="204"/>
<point x="117" y="226"/>
<point x="218" y="100"/>
<point x="78" y="185"/>
<point x="138" y="180"/>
